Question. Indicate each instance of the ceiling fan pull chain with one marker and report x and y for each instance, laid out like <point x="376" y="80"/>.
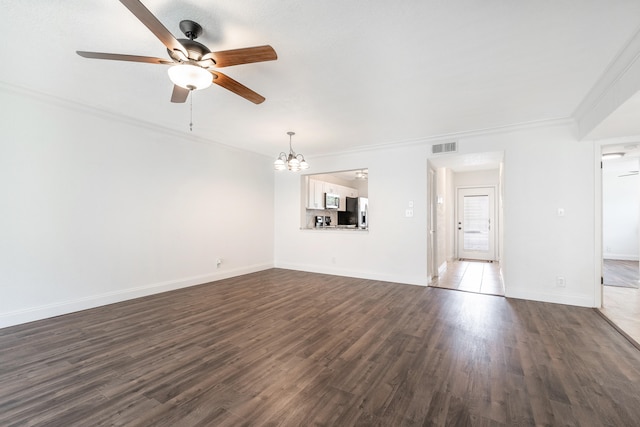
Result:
<point x="191" y="111"/>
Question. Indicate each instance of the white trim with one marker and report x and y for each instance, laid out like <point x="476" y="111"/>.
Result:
<point x="580" y="301"/>
<point x="417" y="281"/>
<point x="562" y="121"/>
<point x="620" y="257"/>
<point x="598" y="287"/>
<point x="65" y="307"/>
<point x="619" y="81"/>
<point x="115" y="116"/>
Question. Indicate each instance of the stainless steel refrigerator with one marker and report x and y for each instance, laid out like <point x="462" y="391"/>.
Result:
<point x="357" y="211"/>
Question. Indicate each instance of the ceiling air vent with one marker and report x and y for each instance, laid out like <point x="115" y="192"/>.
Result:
<point x="447" y="147"/>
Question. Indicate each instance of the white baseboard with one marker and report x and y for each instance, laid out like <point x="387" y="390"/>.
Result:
<point x="621" y="257"/>
<point x="31" y="314"/>
<point x="335" y="271"/>
<point x="577" y="300"/>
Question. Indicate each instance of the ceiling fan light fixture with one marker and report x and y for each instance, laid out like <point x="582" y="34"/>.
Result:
<point x="362" y="174"/>
<point x="190" y="76"/>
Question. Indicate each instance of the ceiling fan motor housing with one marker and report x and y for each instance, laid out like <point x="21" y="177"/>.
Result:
<point x="195" y="50"/>
<point x="191" y="29"/>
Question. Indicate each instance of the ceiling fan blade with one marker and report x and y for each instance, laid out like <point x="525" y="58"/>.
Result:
<point x="153" y="24"/>
<point x="179" y="94"/>
<point x="119" y="57"/>
<point x="237" y="88"/>
<point x="247" y="55"/>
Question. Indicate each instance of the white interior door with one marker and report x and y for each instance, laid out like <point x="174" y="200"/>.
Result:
<point x="476" y="223"/>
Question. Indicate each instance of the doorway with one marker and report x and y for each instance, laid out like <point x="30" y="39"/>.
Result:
<point x="477" y="180"/>
<point x="621" y="240"/>
<point x="476" y="224"/>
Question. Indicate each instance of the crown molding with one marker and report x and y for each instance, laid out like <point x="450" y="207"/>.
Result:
<point x="454" y="136"/>
<point x="619" y="81"/>
<point x="113" y="116"/>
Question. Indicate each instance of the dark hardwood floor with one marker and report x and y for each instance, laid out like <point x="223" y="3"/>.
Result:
<point x="295" y="349"/>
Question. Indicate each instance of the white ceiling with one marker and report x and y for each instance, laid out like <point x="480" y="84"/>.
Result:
<point x="349" y="73"/>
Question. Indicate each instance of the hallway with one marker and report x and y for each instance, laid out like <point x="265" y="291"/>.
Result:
<point x="471" y="276"/>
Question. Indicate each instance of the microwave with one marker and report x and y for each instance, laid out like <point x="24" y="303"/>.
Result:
<point x="331" y="201"/>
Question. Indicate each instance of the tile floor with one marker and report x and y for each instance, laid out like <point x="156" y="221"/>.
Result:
<point x="621" y="273"/>
<point x="622" y="307"/>
<point x="471" y="276"/>
<point x="621" y="303"/>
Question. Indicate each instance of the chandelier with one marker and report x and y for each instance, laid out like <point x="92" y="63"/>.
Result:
<point x="294" y="162"/>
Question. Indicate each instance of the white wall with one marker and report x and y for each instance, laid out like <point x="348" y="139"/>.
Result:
<point x="480" y="178"/>
<point x="391" y="250"/>
<point x="620" y="210"/>
<point x="545" y="168"/>
<point x="95" y="209"/>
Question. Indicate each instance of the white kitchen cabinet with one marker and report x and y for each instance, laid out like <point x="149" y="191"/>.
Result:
<point x="316" y="190"/>
<point x="330" y="188"/>
<point x="315" y="194"/>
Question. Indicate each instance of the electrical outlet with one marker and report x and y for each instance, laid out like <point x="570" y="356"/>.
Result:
<point x="218" y="262"/>
<point x="408" y="213"/>
<point x="560" y="282"/>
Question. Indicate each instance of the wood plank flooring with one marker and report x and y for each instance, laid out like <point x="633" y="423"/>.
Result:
<point x="291" y="348"/>
<point x="471" y="276"/>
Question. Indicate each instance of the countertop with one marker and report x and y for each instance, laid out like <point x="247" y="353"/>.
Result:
<point x="337" y="227"/>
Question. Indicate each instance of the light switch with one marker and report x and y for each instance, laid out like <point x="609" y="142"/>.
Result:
<point x="560" y="211"/>
<point x="410" y="203"/>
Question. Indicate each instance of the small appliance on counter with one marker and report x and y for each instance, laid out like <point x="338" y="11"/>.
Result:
<point x="323" y="221"/>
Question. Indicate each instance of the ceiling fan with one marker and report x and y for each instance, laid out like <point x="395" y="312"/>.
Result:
<point x="194" y="66"/>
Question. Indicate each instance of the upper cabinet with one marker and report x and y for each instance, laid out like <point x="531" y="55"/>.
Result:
<point x="315" y="194"/>
<point x="316" y="190"/>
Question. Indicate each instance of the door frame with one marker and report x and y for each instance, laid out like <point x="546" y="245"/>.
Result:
<point x="496" y="222"/>
<point x="432" y="268"/>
